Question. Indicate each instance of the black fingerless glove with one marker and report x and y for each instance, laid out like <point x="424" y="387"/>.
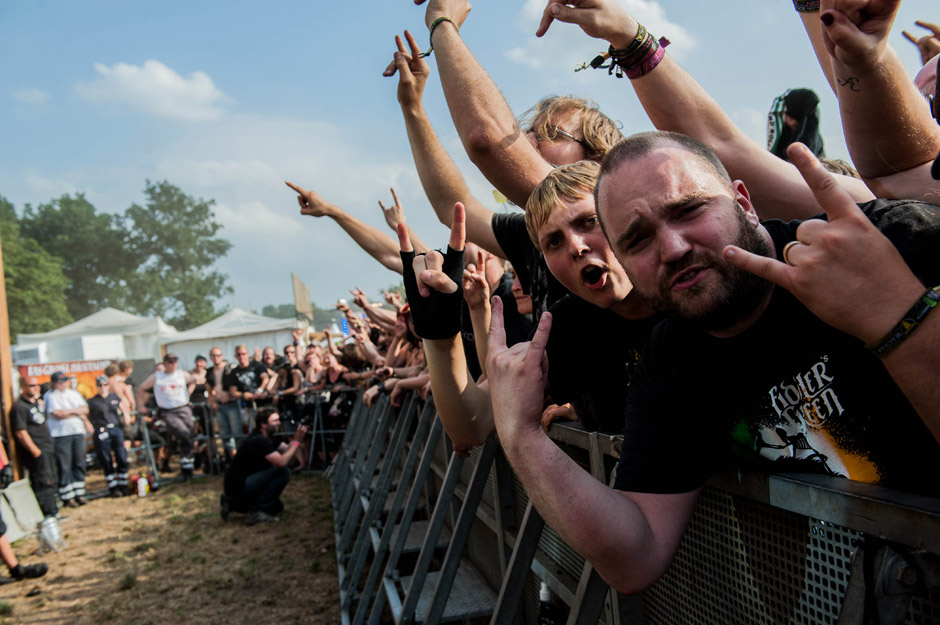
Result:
<point x="437" y="316"/>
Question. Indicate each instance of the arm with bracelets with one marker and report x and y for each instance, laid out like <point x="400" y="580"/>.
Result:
<point x="775" y="185"/>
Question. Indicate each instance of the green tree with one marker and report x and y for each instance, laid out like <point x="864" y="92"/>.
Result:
<point x="174" y="235"/>
<point x="92" y="249"/>
<point x="35" y="283"/>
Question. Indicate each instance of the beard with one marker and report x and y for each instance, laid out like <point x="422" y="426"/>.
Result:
<point x="710" y="306"/>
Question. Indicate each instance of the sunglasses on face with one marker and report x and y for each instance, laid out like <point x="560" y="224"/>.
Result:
<point x="555" y="132"/>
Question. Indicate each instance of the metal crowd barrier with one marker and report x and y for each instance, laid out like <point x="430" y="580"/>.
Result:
<point x="424" y="536"/>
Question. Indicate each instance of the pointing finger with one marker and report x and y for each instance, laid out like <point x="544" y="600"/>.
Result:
<point x="540" y="338"/>
<point x="413" y="44"/>
<point x="761" y="266"/>
<point x="296" y="188"/>
<point x="404" y="241"/>
<point x="546" y="20"/>
<point x="909" y="37"/>
<point x="931" y="27"/>
<point x="834" y="200"/>
<point x="496" y="340"/>
<point x="458" y="230"/>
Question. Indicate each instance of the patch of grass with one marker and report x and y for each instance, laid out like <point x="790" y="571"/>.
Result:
<point x="5" y="609"/>
<point x="115" y="556"/>
<point x="177" y="518"/>
<point x="315" y="565"/>
<point x="172" y="500"/>
<point x="142" y="547"/>
<point x="250" y="568"/>
<point x="194" y="537"/>
<point x="127" y="582"/>
<point x="235" y="540"/>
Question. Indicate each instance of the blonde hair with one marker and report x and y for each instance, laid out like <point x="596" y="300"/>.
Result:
<point x="838" y="166"/>
<point x="574" y="181"/>
<point x="599" y="131"/>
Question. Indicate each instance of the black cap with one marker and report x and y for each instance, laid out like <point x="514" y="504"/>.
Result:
<point x="58" y="376"/>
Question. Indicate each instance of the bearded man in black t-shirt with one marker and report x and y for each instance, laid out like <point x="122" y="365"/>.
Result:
<point x="779" y="351"/>
<point x="258" y="474"/>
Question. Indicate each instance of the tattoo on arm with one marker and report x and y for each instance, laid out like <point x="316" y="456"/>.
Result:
<point x="851" y="82"/>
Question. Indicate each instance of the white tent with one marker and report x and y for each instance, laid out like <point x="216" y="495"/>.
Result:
<point x="108" y="333"/>
<point x="236" y="327"/>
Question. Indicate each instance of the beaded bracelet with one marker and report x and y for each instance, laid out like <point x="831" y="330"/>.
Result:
<point x="431" y="28"/>
<point x="906" y="326"/>
<point x="806" y="6"/>
<point x="640" y="57"/>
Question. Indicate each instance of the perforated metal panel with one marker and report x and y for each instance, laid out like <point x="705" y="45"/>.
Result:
<point x="745" y="562"/>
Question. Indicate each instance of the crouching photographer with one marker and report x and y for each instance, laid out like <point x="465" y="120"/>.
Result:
<point x="258" y="473"/>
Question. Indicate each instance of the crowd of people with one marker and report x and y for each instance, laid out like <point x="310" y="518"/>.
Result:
<point x="758" y="306"/>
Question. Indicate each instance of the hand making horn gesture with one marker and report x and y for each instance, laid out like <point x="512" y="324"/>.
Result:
<point x="433" y="285"/>
<point x="517" y="375"/>
<point x="844" y="270"/>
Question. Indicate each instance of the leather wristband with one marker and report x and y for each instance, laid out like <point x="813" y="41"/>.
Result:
<point x="437" y="316"/>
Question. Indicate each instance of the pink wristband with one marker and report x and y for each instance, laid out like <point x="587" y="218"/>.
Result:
<point x="295" y="443"/>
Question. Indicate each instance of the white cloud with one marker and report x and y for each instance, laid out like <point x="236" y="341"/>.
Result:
<point x="31" y="95"/>
<point x="255" y="219"/>
<point x="157" y="89"/>
<point x="45" y="187"/>
<point x="209" y="173"/>
<point x="566" y="47"/>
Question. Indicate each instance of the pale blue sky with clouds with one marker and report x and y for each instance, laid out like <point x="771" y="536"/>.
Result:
<point x="228" y="100"/>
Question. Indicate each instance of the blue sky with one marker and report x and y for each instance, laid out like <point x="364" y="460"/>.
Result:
<point x="228" y="100"/>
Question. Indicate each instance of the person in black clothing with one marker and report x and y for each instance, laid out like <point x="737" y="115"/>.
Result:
<point x="243" y="382"/>
<point x="258" y="473"/>
<point x="28" y="418"/>
<point x="104" y="412"/>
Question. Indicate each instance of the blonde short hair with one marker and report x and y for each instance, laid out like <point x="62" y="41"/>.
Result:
<point x="574" y="181"/>
<point x="599" y="131"/>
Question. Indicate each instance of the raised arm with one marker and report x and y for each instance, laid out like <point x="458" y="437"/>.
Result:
<point x="377" y="244"/>
<point x="379" y="316"/>
<point x="775" y="185"/>
<point x="476" y="293"/>
<point x="434" y="297"/>
<point x="484" y="121"/>
<point x="630" y="538"/>
<point x="442" y="182"/>
<point x="887" y="123"/>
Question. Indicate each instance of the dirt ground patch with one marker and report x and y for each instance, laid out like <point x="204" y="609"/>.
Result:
<point x="168" y="558"/>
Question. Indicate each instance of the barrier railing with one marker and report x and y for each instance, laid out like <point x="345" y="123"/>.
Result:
<point x="453" y="538"/>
